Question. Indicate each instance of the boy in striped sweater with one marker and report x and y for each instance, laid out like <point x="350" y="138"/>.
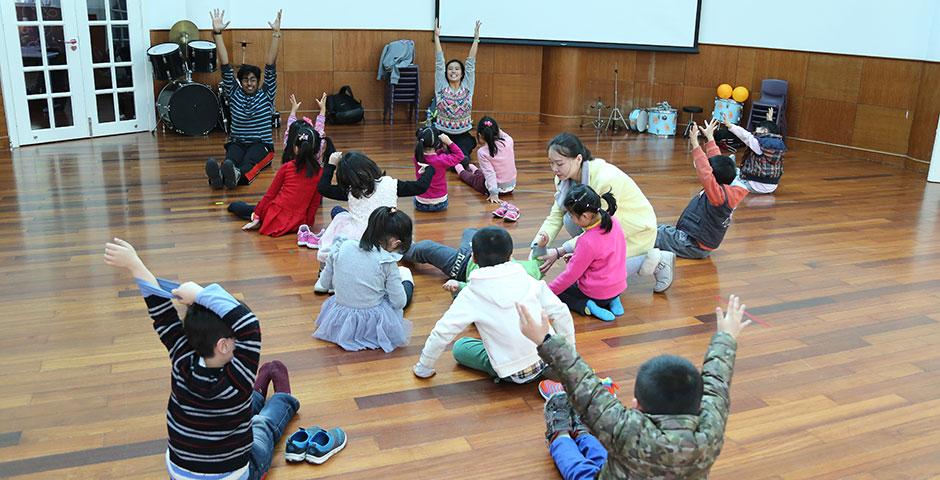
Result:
<point x="250" y="148"/>
<point x="218" y="421"/>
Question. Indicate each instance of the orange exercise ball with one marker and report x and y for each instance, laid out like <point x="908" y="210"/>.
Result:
<point x="724" y="91"/>
<point x="740" y="94"/>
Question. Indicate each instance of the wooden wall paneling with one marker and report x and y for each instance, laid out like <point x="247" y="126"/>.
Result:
<point x="642" y="95"/>
<point x="669" y="68"/>
<point x="890" y="83"/>
<point x="559" y="79"/>
<point x="794" y="115"/>
<point x="882" y="128"/>
<point x="698" y="96"/>
<point x="358" y="50"/>
<point x="827" y="120"/>
<point x="643" y="73"/>
<point x="307" y="86"/>
<point x="306" y="51"/>
<point x="712" y="66"/>
<point x="484" y="93"/>
<point x="256" y="50"/>
<point x="518" y="59"/>
<point x="674" y="94"/>
<point x="926" y="112"/>
<point x="782" y="64"/>
<point x="365" y="87"/>
<point x="744" y="71"/>
<point x="596" y="72"/>
<point x="516" y="93"/>
<point x="833" y="77"/>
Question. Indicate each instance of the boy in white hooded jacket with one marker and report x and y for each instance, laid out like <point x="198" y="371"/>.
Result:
<point x="489" y="301"/>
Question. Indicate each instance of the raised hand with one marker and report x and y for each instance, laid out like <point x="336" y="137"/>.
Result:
<point x="121" y="254"/>
<point x="693" y="135"/>
<point x="218" y="20"/>
<point x="476" y="31"/>
<point x="533" y="329"/>
<point x="294" y="104"/>
<point x="321" y="102"/>
<point x="770" y="114"/>
<point x="709" y="129"/>
<point x="437" y="28"/>
<point x="444" y="139"/>
<point x="730" y="321"/>
<point x="276" y="24"/>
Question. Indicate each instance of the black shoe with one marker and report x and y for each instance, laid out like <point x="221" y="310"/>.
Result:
<point x="557" y="416"/>
<point x="230" y="174"/>
<point x="214" y="174"/>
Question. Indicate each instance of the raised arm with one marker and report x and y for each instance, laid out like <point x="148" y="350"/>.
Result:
<point x="275" y="40"/>
<point x="437" y="36"/>
<point x="476" y="41"/>
<point x="219" y="24"/>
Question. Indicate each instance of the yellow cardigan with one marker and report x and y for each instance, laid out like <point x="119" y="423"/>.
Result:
<point x="634" y="211"/>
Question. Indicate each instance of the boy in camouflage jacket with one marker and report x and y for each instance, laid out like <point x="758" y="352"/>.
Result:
<point x="676" y="426"/>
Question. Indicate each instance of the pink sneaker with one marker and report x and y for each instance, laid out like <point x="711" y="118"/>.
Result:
<point x="304" y="236"/>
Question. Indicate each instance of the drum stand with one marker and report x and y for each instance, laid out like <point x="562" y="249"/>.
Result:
<point x="599" y="122"/>
<point x="615" y="113"/>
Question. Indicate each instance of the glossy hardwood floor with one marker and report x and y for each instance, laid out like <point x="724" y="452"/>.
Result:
<point x="843" y="265"/>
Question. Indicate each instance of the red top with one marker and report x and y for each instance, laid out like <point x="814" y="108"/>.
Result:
<point x="292" y="200"/>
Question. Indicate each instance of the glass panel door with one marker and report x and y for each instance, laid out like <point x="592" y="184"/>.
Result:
<point x="116" y="63"/>
<point x="46" y="70"/>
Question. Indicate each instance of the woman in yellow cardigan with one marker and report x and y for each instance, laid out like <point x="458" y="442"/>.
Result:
<point x="572" y="163"/>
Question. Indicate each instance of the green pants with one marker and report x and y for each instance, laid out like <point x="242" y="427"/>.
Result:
<point x="470" y="353"/>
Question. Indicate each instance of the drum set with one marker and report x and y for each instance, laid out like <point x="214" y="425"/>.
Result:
<point x="658" y="120"/>
<point x="185" y="106"/>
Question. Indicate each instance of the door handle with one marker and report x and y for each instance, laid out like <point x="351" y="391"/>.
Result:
<point x="73" y="44"/>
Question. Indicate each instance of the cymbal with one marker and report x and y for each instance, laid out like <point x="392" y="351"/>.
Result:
<point x="183" y="32"/>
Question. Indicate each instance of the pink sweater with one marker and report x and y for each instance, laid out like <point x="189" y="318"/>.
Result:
<point x="499" y="171"/>
<point x="599" y="264"/>
<point x="441" y="161"/>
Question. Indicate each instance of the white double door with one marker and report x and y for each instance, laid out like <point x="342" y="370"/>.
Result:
<point x="74" y="69"/>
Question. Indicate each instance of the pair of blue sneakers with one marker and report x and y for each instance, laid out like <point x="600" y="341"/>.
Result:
<point x="314" y="445"/>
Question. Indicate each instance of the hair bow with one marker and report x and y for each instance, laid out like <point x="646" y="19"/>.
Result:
<point x="488" y="123"/>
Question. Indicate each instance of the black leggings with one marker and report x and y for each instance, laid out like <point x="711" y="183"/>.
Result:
<point x="577" y="300"/>
<point x="466" y="141"/>
<point x="242" y="210"/>
<point x="245" y="156"/>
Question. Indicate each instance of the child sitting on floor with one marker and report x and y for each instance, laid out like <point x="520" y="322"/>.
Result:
<point x="596" y="274"/>
<point x="703" y="223"/>
<point x="219" y="423"/>
<point x="434" y="149"/>
<point x="675" y="426"/>
<point x="365" y="187"/>
<point x="292" y="201"/>
<point x="489" y="303"/>
<point x="497" y="159"/>
<point x="457" y="263"/>
<point x="371" y="289"/>
<point x="762" y="165"/>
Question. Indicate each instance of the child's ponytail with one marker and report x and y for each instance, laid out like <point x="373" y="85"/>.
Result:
<point x="606" y="222"/>
<point x="426" y="138"/>
<point x="488" y="131"/>
<point x="582" y="198"/>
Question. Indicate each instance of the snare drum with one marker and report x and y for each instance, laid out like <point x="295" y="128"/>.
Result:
<point x="189" y="108"/>
<point x="167" y="61"/>
<point x="201" y="56"/>
<point x="662" y="121"/>
<point x="638" y="119"/>
<point x="728" y="109"/>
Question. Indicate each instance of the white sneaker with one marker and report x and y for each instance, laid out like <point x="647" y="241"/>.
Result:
<point x="406" y="275"/>
<point x="650" y="262"/>
<point x="664" y="271"/>
<point x="319" y="288"/>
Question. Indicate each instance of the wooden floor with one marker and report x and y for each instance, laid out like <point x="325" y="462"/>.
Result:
<point x="843" y="264"/>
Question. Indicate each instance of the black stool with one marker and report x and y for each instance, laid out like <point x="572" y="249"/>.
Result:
<point x="691" y="110"/>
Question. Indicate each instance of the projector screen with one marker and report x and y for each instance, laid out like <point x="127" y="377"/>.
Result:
<point x="666" y="25"/>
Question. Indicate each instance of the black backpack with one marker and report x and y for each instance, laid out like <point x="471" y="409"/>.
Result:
<point x="343" y="108"/>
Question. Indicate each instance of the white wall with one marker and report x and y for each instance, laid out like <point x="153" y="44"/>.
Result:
<point x="908" y="29"/>
<point x="346" y="14"/>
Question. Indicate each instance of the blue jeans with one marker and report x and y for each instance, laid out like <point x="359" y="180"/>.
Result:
<point x="437" y="207"/>
<point x="579" y="458"/>
<point x="677" y="241"/>
<point x="267" y="425"/>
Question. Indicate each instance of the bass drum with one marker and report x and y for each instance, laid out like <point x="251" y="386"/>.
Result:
<point x="188" y="108"/>
<point x="638" y="119"/>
